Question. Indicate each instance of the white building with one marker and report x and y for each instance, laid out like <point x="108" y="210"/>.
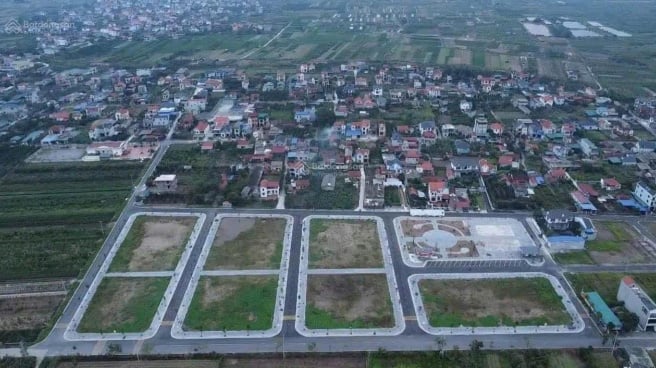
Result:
<point x="106" y="149"/>
<point x="269" y="189"/>
<point x="102" y="128"/>
<point x="166" y="183"/>
<point x="645" y="194"/>
<point x="637" y="301"/>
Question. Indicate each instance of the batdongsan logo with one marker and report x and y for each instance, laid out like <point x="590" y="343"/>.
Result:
<point x="13" y="26"/>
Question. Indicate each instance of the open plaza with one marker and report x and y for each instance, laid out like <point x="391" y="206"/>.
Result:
<point x="426" y="239"/>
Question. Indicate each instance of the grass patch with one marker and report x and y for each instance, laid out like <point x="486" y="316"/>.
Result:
<point x="489" y="303"/>
<point x="233" y="304"/>
<point x="344" y="244"/>
<point x="392" y="196"/>
<point x="348" y="301"/>
<point x="574" y="257"/>
<point x="124" y="305"/>
<point x="257" y="245"/>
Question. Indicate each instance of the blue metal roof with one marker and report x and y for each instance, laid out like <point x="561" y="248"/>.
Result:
<point x="599" y="306"/>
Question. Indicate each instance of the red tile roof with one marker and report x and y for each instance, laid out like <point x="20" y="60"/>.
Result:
<point x="436" y="186"/>
<point x="588" y="189"/>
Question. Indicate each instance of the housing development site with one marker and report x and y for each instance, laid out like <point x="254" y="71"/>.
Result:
<point x="170" y="280"/>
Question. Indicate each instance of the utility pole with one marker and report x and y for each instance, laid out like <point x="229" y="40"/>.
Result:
<point x="102" y="229"/>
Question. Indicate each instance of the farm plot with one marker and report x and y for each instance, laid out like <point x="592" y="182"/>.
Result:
<point x="247" y="243"/>
<point x="123" y="305"/>
<point x="348" y="301"/>
<point x="54" y="216"/>
<point x="344" y="244"/>
<point x="492" y="302"/>
<point x="153" y="244"/>
<point x="24" y="317"/>
<point x="233" y="304"/>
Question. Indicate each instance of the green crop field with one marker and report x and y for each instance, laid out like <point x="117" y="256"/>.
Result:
<point x="54" y="217"/>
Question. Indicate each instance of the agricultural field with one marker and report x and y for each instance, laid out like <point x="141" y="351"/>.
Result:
<point x="496" y="359"/>
<point x="229" y="303"/>
<point x="381" y="359"/>
<point x="344" y="196"/>
<point x="348" y="301"/>
<point x="55" y="216"/>
<point x="606" y="283"/>
<point x="153" y="243"/>
<point x="22" y="318"/>
<point x="492" y="302"/>
<point x="247" y="243"/>
<point x="123" y="304"/>
<point x="616" y="243"/>
<point x="344" y="244"/>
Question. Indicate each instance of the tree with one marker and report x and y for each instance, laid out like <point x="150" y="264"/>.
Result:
<point x="629" y="320"/>
<point x="325" y="116"/>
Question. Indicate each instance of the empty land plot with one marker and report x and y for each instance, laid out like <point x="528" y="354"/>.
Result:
<point x="492" y="302"/>
<point x="616" y="243"/>
<point x="153" y="243"/>
<point x="233" y="304"/>
<point x="27" y="313"/>
<point x="348" y="301"/>
<point x="124" y="305"/>
<point x="247" y="243"/>
<point x="344" y="244"/>
<point x="606" y="283"/>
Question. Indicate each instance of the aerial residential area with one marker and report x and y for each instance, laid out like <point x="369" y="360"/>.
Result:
<point x="331" y="184"/>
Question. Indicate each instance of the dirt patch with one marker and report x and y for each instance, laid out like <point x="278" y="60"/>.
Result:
<point x="360" y="300"/>
<point x="26" y="313"/>
<point x="618" y="243"/>
<point x="214" y="292"/>
<point x="247" y="243"/>
<point x="463" y="249"/>
<point x="415" y="228"/>
<point x="344" y="244"/>
<point x="162" y="243"/>
<point x="492" y="302"/>
<point x="461" y="227"/>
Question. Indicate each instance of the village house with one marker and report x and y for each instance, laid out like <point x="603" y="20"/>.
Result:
<point x="166" y="183"/>
<point x="269" y="189"/>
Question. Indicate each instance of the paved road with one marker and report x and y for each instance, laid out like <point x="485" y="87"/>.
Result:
<point x="413" y="338"/>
